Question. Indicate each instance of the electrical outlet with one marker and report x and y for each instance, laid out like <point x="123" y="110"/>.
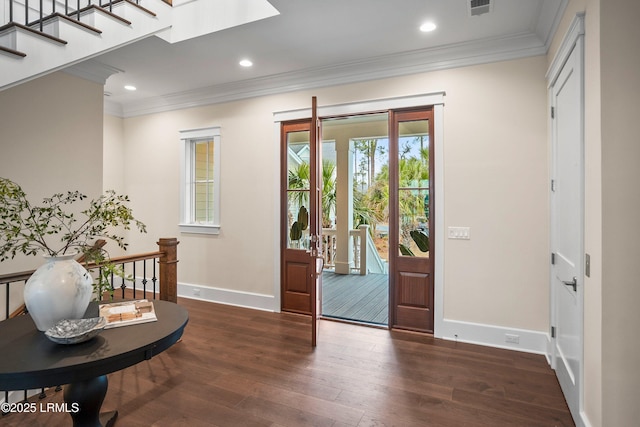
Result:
<point x="196" y="292"/>
<point x="512" y="339"/>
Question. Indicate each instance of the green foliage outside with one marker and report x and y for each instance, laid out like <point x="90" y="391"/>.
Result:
<point x="371" y="190"/>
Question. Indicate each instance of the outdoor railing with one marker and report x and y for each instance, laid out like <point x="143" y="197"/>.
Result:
<point x="330" y="247"/>
<point x="154" y="277"/>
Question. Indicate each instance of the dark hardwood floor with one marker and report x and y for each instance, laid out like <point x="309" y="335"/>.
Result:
<point x="241" y="367"/>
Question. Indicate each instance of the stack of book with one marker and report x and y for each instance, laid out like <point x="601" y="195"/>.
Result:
<point x="128" y="313"/>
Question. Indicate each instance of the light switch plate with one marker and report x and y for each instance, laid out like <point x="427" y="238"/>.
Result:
<point x="459" y="233"/>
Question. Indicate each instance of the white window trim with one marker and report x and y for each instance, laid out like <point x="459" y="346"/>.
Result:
<point x="186" y="206"/>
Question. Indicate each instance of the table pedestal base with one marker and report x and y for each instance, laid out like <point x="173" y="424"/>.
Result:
<point x="86" y="398"/>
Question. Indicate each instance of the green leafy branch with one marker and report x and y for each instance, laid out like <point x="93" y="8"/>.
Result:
<point x="50" y="229"/>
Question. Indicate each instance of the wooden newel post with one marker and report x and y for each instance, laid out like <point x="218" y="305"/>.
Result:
<point x="168" y="269"/>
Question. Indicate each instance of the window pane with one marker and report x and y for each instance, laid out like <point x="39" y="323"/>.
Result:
<point x="298" y="182"/>
<point x="201" y="210"/>
<point x="203" y="181"/>
<point x="203" y="160"/>
<point x="413" y="191"/>
<point x="298" y="219"/>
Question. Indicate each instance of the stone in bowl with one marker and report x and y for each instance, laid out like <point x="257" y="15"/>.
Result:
<point x="75" y="331"/>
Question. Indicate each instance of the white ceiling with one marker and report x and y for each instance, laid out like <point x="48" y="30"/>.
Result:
<point x="315" y="43"/>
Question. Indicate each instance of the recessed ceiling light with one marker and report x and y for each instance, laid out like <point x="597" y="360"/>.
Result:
<point x="130" y="87"/>
<point x="246" y="63"/>
<point x="427" y="27"/>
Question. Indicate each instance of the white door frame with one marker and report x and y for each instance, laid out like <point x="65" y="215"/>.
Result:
<point x="573" y="42"/>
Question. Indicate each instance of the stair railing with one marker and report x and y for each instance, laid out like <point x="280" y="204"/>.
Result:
<point x="154" y="274"/>
<point x="34" y="14"/>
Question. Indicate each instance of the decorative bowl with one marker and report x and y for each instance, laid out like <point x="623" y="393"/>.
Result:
<point x="74" y="331"/>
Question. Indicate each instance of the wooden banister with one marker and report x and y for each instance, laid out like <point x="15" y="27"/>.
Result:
<point x="167" y="255"/>
<point x="168" y="269"/>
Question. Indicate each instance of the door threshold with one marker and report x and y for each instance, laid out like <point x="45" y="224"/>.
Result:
<point x="354" y="322"/>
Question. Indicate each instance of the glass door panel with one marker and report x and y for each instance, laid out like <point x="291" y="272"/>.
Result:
<point x="413" y="188"/>
<point x="298" y="189"/>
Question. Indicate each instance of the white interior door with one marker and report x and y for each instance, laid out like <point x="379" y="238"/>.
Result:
<point x="567" y="205"/>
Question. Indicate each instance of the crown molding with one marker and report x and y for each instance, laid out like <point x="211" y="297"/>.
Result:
<point x="93" y="70"/>
<point x="406" y="63"/>
<point x="113" y="108"/>
<point x="551" y="13"/>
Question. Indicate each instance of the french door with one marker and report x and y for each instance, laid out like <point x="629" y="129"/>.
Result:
<point x="410" y="218"/>
<point x="411" y="228"/>
<point x="301" y="202"/>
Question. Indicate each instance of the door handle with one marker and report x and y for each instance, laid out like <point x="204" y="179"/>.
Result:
<point x="573" y="283"/>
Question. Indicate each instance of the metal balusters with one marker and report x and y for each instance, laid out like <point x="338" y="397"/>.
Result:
<point x="134" y="280"/>
<point x="7" y="308"/>
<point x="35" y="14"/>
<point x="154" y="279"/>
<point x="144" y="276"/>
<point x="123" y="284"/>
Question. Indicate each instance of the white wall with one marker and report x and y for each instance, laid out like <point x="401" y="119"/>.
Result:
<point x="495" y="152"/>
<point x="619" y="37"/>
<point x="113" y="154"/>
<point x="51" y="140"/>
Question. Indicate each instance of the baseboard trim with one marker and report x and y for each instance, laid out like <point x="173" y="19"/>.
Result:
<point x="454" y="330"/>
<point x="221" y="296"/>
<point x="584" y="420"/>
<point x="227" y="296"/>
<point x="495" y="336"/>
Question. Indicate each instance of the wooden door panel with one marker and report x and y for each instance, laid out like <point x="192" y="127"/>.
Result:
<point x="411" y="289"/>
<point x="413" y="295"/>
<point x="297" y="274"/>
<point x="297" y="283"/>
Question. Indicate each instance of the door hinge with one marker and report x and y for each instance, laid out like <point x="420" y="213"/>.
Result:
<point x="553" y="258"/>
<point x="553" y="185"/>
<point x="553" y="332"/>
<point x="553" y="112"/>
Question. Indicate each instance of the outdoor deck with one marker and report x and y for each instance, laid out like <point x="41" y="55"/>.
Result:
<point x="355" y="297"/>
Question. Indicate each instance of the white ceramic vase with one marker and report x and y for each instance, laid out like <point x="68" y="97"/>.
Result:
<point x="59" y="289"/>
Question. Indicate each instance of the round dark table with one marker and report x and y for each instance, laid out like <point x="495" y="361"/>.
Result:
<point x="30" y="360"/>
